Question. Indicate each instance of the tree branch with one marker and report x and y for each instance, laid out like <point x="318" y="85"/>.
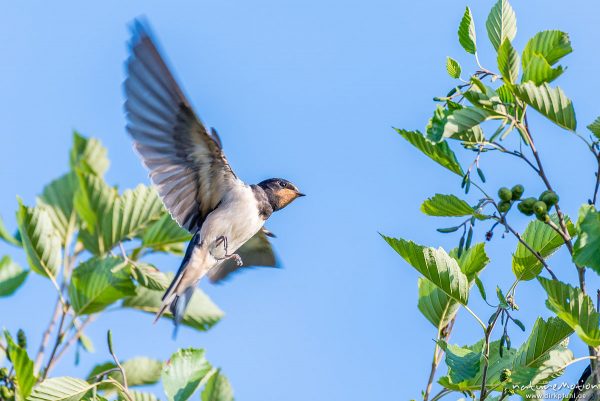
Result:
<point x="46" y="336"/>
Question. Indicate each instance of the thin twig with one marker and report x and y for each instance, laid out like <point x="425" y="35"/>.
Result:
<point x="71" y="341"/>
<point x="488" y="333"/>
<point x="59" y="338"/>
<point x="46" y="336"/>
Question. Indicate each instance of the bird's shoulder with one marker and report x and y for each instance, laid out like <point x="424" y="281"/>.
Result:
<point x="262" y="202"/>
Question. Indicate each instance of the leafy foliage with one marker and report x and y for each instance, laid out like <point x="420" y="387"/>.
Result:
<point x="466" y="32"/>
<point x="542" y="239"/>
<point x="446" y="205"/>
<point x="550" y="102"/>
<point x="575" y="308"/>
<point x="436" y="265"/>
<point x="587" y="247"/>
<point x="438" y="152"/>
<point x="40" y="241"/>
<point x="502" y="101"/>
<point x="61" y="389"/>
<point x="217" y="388"/>
<point x="453" y="67"/>
<point x="11" y="276"/>
<point x="508" y="62"/>
<point x="200" y="314"/>
<point x="72" y="236"/>
<point x="501" y="24"/>
<point x="97" y="283"/>
<point x="183" y="374"/>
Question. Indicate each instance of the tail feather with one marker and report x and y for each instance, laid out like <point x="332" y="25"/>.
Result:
<point x="178" y="307"/>
<point x="177" y="303"/>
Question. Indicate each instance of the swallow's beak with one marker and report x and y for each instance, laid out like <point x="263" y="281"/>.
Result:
<point x="299" y="194"/>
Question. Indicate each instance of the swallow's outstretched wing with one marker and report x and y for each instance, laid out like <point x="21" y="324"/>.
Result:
<point x="257" y="251"/>
<point x="186" y="162"/>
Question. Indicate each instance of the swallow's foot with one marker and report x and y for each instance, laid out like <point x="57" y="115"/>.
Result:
<point x="235" y="257"/>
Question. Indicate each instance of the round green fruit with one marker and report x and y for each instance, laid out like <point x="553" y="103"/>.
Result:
<point x="540" y="208"/>
<point x="517" y="191"/>
<point x="6" y="393"/>
<point x="503" y="206"/>
<point x="525" y="208"/>
<point x="505" y="194"/>
<point x="550" y="198"/>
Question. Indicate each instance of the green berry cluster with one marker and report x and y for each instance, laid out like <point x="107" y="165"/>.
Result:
<point x="508" y="196"/>
<point x="539" y="206"/>
<point x="6" y="393"/>
<point x="527" y="206"/>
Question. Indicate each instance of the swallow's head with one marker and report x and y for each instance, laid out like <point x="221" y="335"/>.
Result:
<point x="280" y="192"/>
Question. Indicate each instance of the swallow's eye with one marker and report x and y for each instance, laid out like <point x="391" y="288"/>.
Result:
<point x="282" y="184"/>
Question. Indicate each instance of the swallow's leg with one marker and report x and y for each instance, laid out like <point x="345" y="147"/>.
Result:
<point x="222" y="240"/>
<point x="238" y="260"/>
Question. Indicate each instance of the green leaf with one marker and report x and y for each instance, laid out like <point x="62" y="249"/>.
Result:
<point x="543" y="239"/>
<point x="149" y="276"/>
<point x="88" y="155"/>
<point x="446" y="205"/>
<point x="438" y="152"/>
<point x="463" y="362"/>
<point x="140" y="371"/>
<point x="97" y="283"/>
<point x="466" y="32"/>
<point x="40" y="241"/>
<point x="200" y="314"/>
<point x="595" y="127"/>
<point x="539" y="71"/>
<point x="436" y="265"/>
<point x="217" y="388"/>
<point x="496" y="365"/>
<point x="140" y="396"/>
<point x="575" y="308"/>
<point x="57" y="200"/>
<point x="481" y="288"/>
<point x="473" y="260"/>
<point x="508" y="62"/>
<point x="505" y="94"/>
<point x="549" y="368"/>
<point x="60" y="389"/>
<point x="586" y="251"/>
<point x="453" y="67"/>
<point x="6" y="236"/>
<point x="550" y="102"/>
<point x="111" y="218"/>
<point x="545" y="336"/>
<point x="435" y="304"/>
<point x="465" y="119"/>
<point x="23" y="366"/>
<point x="11" y="276"/>
<point x="484" y="97"/>
<point x="436" y="128"/>
<point x="165" y="235"/>
<point x="551" y="45"/>
<point x="183" y="373"/>
<point x="501" y="23"/>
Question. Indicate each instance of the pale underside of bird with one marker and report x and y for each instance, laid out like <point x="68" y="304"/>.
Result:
<point x="193" y="178"/>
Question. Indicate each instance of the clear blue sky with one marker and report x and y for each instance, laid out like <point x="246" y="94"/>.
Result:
<point x="307" y="90"/>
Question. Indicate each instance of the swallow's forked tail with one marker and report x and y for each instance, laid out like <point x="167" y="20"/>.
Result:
<point x="174" y="300"/>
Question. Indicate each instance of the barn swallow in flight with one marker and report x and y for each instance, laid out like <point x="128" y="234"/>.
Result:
<point x="193" y="178"/>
